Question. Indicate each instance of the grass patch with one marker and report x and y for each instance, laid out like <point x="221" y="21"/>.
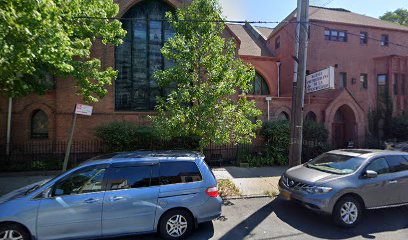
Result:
<point x="227" y="188"/>
<point x="271" y="194"/>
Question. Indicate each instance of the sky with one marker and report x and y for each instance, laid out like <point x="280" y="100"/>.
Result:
<point x="277" y="10"/>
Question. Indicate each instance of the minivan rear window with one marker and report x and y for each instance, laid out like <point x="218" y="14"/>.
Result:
<point x="179" y="172"/>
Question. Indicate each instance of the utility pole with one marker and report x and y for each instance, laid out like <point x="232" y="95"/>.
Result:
<point x="298" y="91"/>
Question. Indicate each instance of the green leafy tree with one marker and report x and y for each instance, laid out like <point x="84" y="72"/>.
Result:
<point x="40" y="39"/>
<point x="207" y="75"/>
<point x="399" y="16"/>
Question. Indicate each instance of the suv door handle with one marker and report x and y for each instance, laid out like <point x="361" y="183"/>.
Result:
<point x="91" y="200"/>
<point x="116" y="198"/>
<point x="393" y="181"/>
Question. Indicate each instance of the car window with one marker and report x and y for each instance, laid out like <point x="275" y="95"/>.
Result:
<point x="83" y="181"/>
<point x="379" y="165"/>
<point x="336" y="163"/>
<point x="179" y="172"/>
<point x="397" y="163"/>
<point x="129" y="177"/>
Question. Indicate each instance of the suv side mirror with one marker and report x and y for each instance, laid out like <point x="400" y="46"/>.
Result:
<point x="370" y="174"/>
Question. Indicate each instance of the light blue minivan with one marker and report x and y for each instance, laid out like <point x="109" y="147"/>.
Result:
<point x="170" y="192"/>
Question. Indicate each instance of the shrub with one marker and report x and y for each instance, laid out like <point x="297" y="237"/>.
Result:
<point x="314" y="140"/>
<point x="127" y="136"/>
<point x="277" y="135"/>
<point x="399" y="128"/>
<point x="123" y="135"/>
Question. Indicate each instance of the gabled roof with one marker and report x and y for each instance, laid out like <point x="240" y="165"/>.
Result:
<point x="340" y="15"/>
<point x="253" y="40"/>
<point x="265" y="31"/>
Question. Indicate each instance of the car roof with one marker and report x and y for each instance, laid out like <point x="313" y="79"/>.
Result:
<point x="367" y="153"/>
<point x="144" y="155"/>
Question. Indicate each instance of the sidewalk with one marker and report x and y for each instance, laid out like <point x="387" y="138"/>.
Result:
<point x="252" y="182"/>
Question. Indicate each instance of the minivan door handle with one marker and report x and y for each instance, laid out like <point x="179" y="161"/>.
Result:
<point x="91" y="200"/>
<point x="393" y="181"/>
<point x="116" y="198"/>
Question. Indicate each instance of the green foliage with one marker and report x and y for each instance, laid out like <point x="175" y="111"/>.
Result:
<point x="399" y="128"/>
<point x="128" y="136"/>
<point x="277" y="136"/>
<point x="314" y="140"/>
<point x="399" y="16"/>
<point x="44" y="38"/>
<point x="207" y="75"/>
<point x="122" y="135"/>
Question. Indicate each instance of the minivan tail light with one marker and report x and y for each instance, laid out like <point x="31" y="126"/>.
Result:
<point x="212" y="192"/>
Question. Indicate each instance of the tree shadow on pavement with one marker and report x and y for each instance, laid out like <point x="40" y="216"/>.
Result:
<point x="322" y="226"/>
<point x="245" y="227"/>
<point x="205" y="231"/>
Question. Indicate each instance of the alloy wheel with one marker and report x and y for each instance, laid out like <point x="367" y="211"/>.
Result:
<point x="349" y="212"/>
<point x="11" y="235"/>
<point x="176" y="226"/>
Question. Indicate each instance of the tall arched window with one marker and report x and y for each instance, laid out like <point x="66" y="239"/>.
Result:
<point x="39" y="124"/>
<point x="139" y="56"/>
<point x="259" y="86"/>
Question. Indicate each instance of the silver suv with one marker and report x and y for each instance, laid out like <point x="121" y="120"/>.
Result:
<point x="345" y="182"/>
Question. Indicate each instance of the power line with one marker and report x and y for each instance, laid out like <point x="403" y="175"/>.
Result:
<point x="295" y="38"/>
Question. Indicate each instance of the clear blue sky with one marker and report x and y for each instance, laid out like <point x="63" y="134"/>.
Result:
<point x="277" y="10"/>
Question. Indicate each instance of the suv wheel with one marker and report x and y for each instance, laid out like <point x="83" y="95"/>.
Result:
<point x="347" y="212"/>
<point x="176" y="224"/>
<point x="13" y="232"/>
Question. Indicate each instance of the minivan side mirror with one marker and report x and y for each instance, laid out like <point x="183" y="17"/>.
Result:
<point x="46" y="193"/>
<point x="370" y="174"/>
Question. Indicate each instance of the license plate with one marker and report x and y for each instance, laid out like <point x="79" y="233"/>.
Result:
<point x="285" y="195"/>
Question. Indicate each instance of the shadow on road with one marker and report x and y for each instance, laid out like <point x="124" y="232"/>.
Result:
<point x="321" y="226"/>
<point x="205" y="231"/>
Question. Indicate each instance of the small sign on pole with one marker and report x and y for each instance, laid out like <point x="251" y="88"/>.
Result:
<point x="320" y="80"/>
<point x="80" y="109"/>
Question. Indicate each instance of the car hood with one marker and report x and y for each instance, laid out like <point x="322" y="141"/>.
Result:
<point x="310" y="175"/>
<point x="19" y="192"/>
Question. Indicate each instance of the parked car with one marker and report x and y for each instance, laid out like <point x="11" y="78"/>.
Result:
<point x="118" y="194"/>
<point x="345" y="182"/>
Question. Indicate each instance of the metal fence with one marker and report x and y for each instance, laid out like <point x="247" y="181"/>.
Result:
<point x="49" y="155"/>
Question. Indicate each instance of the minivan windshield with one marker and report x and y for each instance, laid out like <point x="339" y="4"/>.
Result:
<point x="335" y="163"/>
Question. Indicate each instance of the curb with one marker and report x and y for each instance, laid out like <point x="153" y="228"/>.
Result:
<point x="247" y="197"/>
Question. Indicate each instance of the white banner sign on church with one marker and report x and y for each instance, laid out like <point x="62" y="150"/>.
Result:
<point x="320" y="80"/>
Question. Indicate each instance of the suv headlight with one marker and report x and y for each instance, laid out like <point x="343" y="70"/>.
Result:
<point x="317" y="190"/>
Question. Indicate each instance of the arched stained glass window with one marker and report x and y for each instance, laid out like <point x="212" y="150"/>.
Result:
<point x="139" y="56"/>
<point x="39" y="124"/>
<point x="259" y="86"/>
<point x="283" y="116"/>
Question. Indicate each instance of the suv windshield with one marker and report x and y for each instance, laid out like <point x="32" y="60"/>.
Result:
<point x="336" y="163"/>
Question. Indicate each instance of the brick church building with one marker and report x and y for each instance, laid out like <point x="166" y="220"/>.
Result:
<point x="368" y="65"/>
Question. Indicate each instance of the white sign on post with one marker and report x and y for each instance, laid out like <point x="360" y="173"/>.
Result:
<point x="82" y="109"/>
<point x="320" y="80"/>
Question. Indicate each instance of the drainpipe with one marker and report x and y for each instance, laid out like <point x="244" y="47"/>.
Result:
<point x="268" y="99"/>
<point x="10" y="103"/>
<point x="279" y="64"/>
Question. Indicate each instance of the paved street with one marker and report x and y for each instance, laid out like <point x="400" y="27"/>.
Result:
<point x="265" y="218"/>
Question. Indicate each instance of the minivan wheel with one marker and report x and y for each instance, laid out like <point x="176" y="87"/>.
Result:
<point x="347" y="212"/>
<point x="13" y="232"/>
<point x="176" y="224"/>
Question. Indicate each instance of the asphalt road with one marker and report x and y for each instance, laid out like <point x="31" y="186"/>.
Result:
<point x="267" y="219"/>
